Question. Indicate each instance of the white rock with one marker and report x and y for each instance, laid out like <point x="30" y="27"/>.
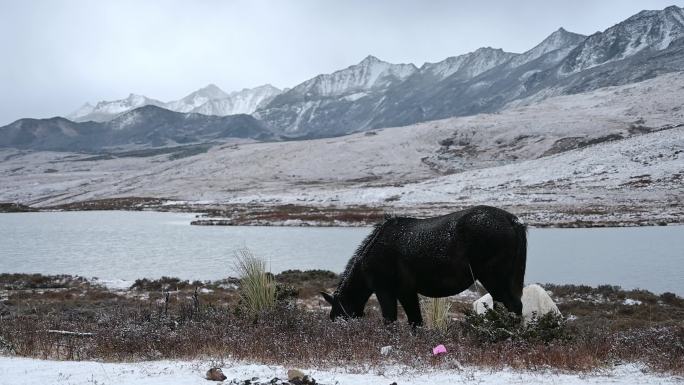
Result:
<point x="534" y="300"/>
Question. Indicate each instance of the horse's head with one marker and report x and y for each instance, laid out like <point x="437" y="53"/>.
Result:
<point x="340" y="309"/>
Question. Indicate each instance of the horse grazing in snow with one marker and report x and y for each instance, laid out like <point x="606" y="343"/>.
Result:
<point x="434" y="257"/>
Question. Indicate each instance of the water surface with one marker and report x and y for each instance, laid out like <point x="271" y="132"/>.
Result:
<point x="130" y="245"/>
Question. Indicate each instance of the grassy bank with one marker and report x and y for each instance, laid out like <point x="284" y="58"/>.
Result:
<point x="65" y="317"/>
<point x="281" y="214"/>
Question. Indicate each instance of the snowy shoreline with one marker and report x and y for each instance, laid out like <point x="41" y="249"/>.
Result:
<point x="18" y="371"/>
<point x="319" y="215"/>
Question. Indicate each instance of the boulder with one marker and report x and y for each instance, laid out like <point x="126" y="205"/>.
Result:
<point x="215" y="374"/>
<point x="386" y="350"/>
<point x="294" y="374"/>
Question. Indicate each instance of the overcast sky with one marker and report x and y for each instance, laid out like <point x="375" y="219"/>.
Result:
<point x="56" y="55"/>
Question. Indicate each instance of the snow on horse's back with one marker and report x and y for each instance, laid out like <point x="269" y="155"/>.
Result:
<point x="534" y="300"/>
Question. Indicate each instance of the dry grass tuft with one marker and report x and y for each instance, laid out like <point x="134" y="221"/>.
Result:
<point x="257" y="287"/>
<point x="436" y="313"/>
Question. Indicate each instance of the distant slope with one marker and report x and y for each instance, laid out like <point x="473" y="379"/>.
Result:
<point x="372" y="167"/>
<point x="147" y="126"/>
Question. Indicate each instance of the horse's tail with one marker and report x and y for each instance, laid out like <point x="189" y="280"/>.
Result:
<point x="520" y="257"/>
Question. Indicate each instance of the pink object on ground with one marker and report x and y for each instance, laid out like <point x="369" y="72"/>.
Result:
<point x="439" y="349"/>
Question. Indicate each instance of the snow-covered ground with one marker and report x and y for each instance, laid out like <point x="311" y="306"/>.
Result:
<point x="23" y="371"/>
<point x="501" y="159"/>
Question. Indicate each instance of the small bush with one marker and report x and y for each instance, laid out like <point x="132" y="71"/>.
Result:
<point x="549" y="327"/>
<point x="495" y="325"/>
<point x="163" y="283"/>
<point x="257" y="287"/>
<point x="498" y="324"/>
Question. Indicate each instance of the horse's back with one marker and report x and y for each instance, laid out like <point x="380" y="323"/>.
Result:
<point x="478" y="221"/>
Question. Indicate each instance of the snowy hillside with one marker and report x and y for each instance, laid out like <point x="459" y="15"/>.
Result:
<point x="143" y="128"/>
<point x="627" y="154"/>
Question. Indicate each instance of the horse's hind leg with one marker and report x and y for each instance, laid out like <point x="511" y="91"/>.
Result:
<point x="411" y="305"/>
<point x="388" y="304"/>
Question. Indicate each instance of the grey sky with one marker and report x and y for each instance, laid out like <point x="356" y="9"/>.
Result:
<point x="56" y="55"/>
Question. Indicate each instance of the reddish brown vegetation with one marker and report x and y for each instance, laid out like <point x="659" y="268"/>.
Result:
<point x="144" y="324"/>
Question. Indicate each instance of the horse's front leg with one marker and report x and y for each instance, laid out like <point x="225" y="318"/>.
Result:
<point x="411" y="305"/>
<point x="388" y="304"/>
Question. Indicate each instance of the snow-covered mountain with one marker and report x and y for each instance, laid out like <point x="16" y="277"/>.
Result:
<point x="371" y="73"/>
<point x="647" y="30"/>
<point x="197" y="99"/>
<point x="108" y="110"/>
<point x="209" y="100"/>
<point x="561" y="40"/>
<point x="361" y="83"/>
<point x="376" y="94"/>
<point x="468" y="65"/>
<point x="643" y="46"/>
<point x="245" y="101"/>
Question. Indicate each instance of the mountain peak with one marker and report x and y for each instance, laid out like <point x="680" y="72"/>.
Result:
<point x="267" y="86"/>
<point x="560" y="40"/>
<point x="562" y="32"/>
<point x="210" y="91"/>
<point x="670" y="11"/>
<point x="370" y="73"/>
<point x="649" y="30"/>
<point x="370" y="59"/>
<point x="469" y="64"/>
<point x="210" y="87"/>
<point x="135" y="97"/>
<point x="488" y="49"/>
<point x="82" y="111"/>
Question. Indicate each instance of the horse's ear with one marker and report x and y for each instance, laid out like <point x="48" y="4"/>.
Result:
<point x="328" y="297"/>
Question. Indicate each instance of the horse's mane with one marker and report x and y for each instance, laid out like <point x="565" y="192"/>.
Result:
<point x="363" y="248"/>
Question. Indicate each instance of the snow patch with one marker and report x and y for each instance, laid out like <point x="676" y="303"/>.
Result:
<point x="25" y="371"/>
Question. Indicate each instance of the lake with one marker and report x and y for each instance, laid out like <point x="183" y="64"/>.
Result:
<point x="130" y="245"/>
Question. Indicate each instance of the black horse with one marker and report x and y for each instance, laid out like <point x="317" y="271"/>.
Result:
<point x="435" y="257"/>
